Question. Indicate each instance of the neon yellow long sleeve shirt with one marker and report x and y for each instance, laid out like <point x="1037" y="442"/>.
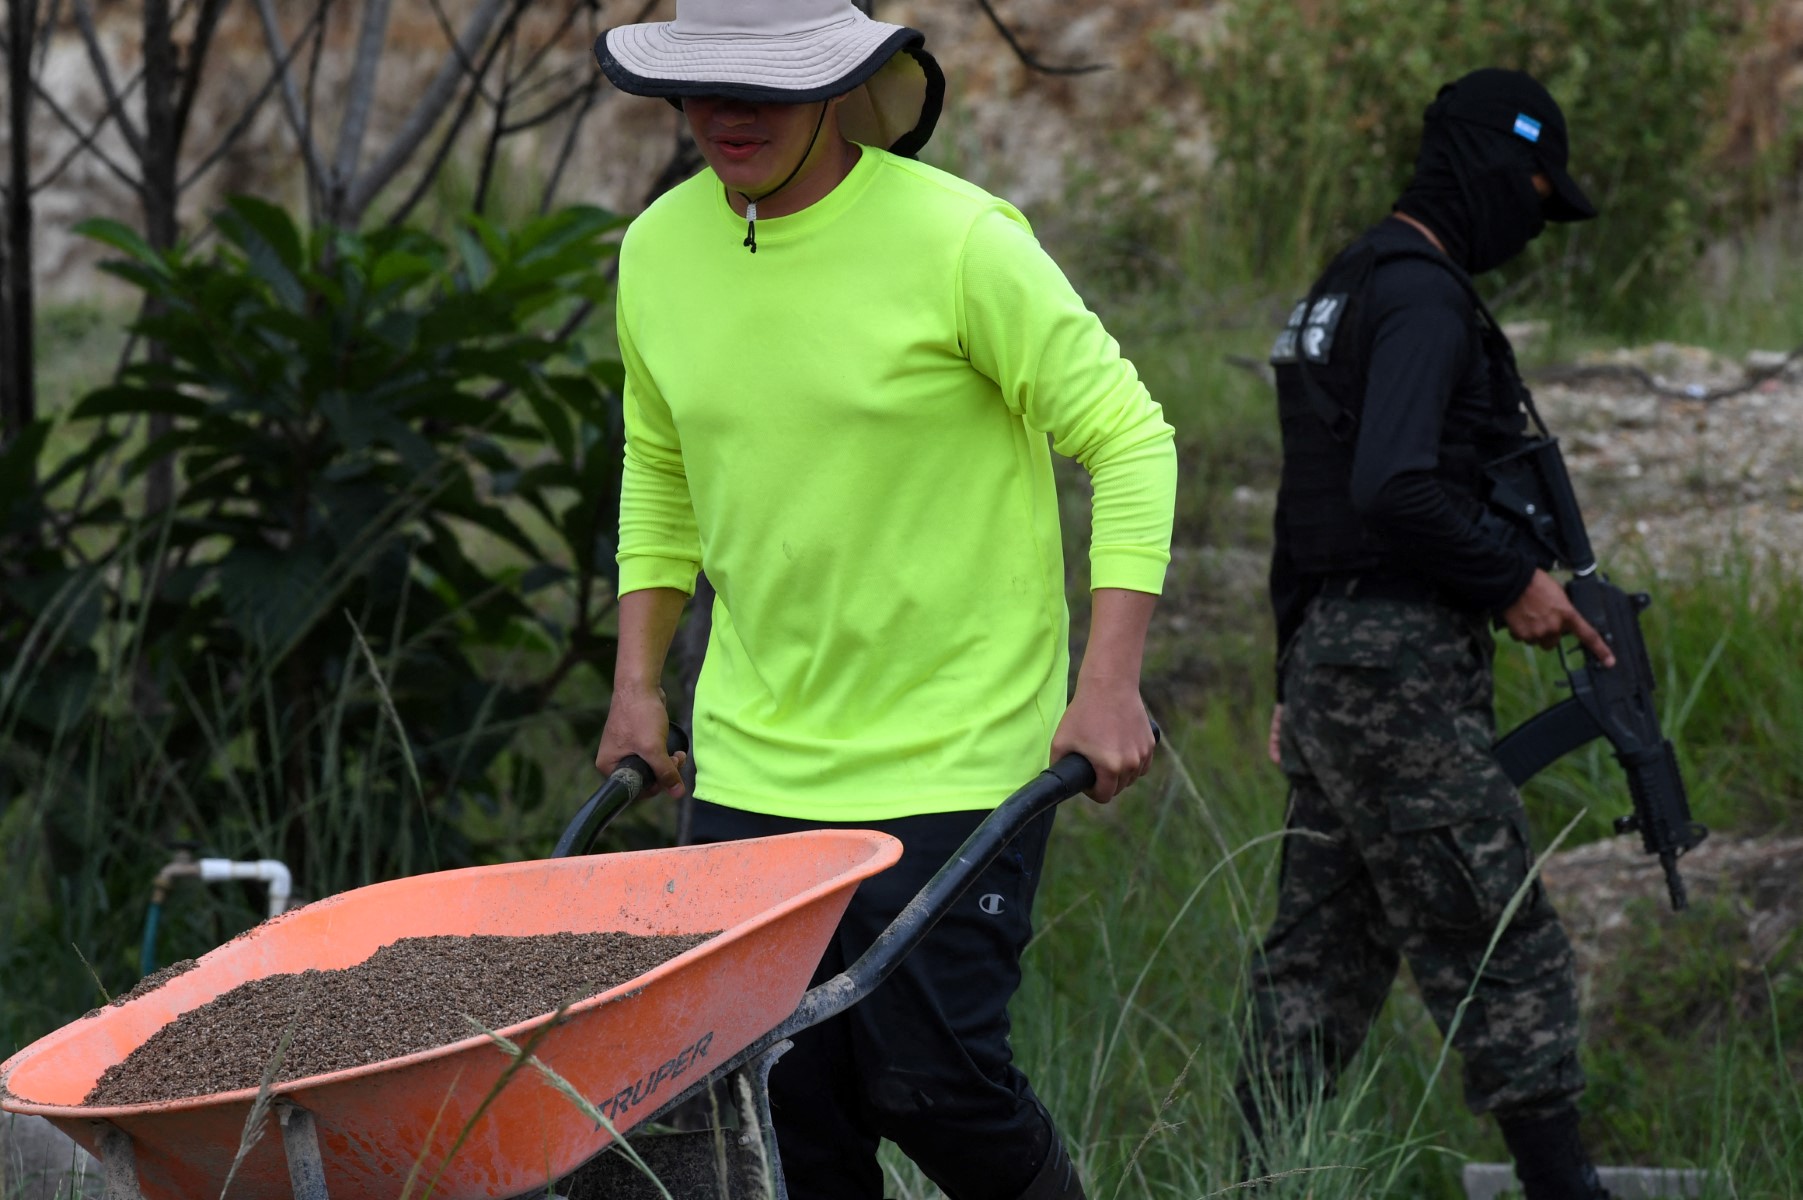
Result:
<point x="848" y="430"/>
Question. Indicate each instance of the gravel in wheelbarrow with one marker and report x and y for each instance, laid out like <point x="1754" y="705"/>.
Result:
<point x="410" y="995"/>
<point x="463" y="1116"/>
<point x="472" y="1123"/>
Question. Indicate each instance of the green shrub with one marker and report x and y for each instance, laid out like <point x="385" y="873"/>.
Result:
<point x="389" y="546"/>
<point x="1318" y="107"/>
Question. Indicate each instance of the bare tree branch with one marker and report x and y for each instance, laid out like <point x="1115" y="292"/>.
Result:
<point x="454" y="127"/>
<point x="231" y="136"/>
<point x="360" y="98"/>
<point x="498" y="129"/>
<point x="463" y="60"/>
<point x="84" y="141"/>
<point x="159" y="168"/>
<point x="550" y="80"/>
<point x="45" y="29"/>
<point x="84" y="20"/>
<point x="1027" y="59"/>
<point x="437" y="162"/>
<point x="426" y="113"/>
<point x="18" y="351"/>
<point x="68" y="121"/>
<point x="205" y="26"/>
<point x="291" y="103"/>
<point x="162" y="141"/>
<point x="520" y="92"/>
<point x="316" y="195"/>
<point x="568" y="149"/>
<point x="549" y="112"/>
<point x="552" y="40"/>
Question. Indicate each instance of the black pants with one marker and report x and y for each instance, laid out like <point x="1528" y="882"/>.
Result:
<point x="924" y="1061"/>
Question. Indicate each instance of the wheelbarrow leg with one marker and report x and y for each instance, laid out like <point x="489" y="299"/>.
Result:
<point x="118" y="1162"/>
<point x="754" y="1079"/>
<point x="300" y="1139"/>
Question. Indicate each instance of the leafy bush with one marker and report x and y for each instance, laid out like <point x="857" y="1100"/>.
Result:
<point x="1318" y="113"/>
<point x="388" y="548"/>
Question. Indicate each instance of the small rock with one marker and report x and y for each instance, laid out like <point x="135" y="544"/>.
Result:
<point x="1636" y="412"/>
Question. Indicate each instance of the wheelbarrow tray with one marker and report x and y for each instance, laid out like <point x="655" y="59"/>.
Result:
<point x="628" y="1050"/>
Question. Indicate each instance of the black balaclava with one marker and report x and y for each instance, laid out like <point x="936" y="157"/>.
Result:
<point x="1474" y="187"/>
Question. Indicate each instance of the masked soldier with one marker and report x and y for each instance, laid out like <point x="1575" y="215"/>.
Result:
<point x="1406" y="839"/>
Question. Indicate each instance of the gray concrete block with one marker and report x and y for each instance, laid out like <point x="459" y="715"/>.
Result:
<point x="1492" y="1181"/>
<point x="39" y="1162"/>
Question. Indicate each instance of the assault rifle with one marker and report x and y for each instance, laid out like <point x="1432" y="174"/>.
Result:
<point x="1530" y="491"/>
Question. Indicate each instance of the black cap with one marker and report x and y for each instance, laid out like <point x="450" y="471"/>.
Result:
<point x="1514" y="103"/>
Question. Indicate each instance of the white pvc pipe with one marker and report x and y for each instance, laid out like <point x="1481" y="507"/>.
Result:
<point x="265" y="870"/>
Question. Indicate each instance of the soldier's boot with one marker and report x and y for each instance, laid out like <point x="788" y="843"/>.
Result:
<point x="1550" y="1159"/>
<point x="1057" y="1178"/>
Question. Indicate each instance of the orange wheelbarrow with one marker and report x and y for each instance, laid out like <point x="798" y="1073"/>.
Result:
<point x="469" y="1120"/>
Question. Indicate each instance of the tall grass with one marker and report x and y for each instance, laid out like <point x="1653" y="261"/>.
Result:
<point x="1127" y="1021"/>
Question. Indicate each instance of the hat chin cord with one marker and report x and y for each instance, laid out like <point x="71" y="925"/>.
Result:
<point x="751" y="203"/>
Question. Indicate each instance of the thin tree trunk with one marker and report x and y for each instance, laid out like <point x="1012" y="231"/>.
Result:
<point x="430" y="109"/>
<point x="18" y="380"/>
<point x="360" y="100"/>
<point x="158" y="171"/>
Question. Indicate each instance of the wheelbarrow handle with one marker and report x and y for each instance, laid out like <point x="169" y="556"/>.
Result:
<point x="628" y="782"/>
<point x="1065" y="778"/>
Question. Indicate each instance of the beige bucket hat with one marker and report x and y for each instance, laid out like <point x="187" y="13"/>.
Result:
<point x="786" y="52"/>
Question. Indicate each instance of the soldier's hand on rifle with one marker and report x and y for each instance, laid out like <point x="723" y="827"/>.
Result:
<point x="1543" y="614"/>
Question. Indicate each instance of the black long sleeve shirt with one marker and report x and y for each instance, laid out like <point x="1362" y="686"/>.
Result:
<point x="1426" y="364"/>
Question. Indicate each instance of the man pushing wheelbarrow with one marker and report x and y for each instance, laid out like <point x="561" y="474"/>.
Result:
<point x="842" y="368"/>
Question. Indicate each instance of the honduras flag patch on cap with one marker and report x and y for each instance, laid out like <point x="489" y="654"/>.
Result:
<point x="1527" y="128"/>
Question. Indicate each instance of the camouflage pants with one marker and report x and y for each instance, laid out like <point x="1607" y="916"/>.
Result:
<point x="1406" y="840"/>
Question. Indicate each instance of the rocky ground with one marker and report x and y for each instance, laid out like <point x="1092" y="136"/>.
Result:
<point x="1685" y="461"/>
<point x="1753" y="884"/>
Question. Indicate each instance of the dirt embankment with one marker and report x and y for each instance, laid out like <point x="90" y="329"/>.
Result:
<point x="1022" y="132"/>
<point x="1677" y="477"/>
<point x="1133" y="129"/>
<point x="1643" y="967"/>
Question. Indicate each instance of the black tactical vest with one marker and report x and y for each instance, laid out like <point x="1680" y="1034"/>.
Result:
<point x="1320" y="360"/>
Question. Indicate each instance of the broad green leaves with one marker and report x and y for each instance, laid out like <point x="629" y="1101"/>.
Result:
<point x="387" y="426"/>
